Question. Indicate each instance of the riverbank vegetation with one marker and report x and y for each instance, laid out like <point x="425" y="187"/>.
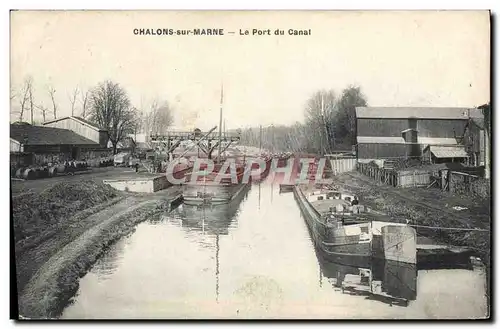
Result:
<point x="329" y="124"/>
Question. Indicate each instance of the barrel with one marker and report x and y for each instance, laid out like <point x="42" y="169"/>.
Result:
<point x="60" y="168"/>
<point x="53" y="171"/>
<point x="29" y="173"/>
<point x="19" y="172"/>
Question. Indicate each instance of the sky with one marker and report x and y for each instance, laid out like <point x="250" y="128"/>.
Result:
<point x="433" y="58"/>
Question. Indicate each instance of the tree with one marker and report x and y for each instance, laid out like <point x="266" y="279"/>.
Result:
<point x="44" y="111"/>
<point x="25" y="96"/>
<point x="32" y="105"/>
<point x="346" y="115"/>
<point x="72" y="99"/>
<point x="84" y="100"/>
<point x="109" y="107"/>
<point x="52" y="92"/>
<point x="13" y="94"/>
<point x="158" y="119"/>
<point x="319" y="115"/>
<point x="329" y="122"/>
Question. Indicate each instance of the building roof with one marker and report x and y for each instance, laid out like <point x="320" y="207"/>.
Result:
<point x="379" y="140"/>
<point x="456" y="151"/>
<point x="417" y="112"/>
<point x="79" y="119"/>
<point x="40" y="135"/>
<point x="400" y="140"/>
<point x="436" y="141"/>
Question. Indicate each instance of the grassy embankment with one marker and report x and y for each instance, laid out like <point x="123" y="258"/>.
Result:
<point x="60" y="233"/>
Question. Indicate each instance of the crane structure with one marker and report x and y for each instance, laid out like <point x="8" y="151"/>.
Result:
<point x="206" y="142"/>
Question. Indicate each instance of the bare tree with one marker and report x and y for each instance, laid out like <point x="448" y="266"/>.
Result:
<point x="25" y="98"/>
<point x="158" y="119"/>
<point x="84" y="101"/>
<point x="319" y="114"/>
<point x="52" y="93"/>
<point x="13" y="94"/>
<point x="109" y="107"/>
<point x="44" y="111"/>
<point x="329" y="121"/>
<point x="32" y="106"/>
<point x="72" y="99"/>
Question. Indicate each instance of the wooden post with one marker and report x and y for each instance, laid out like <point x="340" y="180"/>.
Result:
<point x="443" y="174"/>
<point x="450" y="183"/>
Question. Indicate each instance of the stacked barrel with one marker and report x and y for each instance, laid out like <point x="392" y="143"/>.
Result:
<point x="50" y="170"/>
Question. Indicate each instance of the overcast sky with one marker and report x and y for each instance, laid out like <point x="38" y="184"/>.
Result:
<point x="397" y="58"/>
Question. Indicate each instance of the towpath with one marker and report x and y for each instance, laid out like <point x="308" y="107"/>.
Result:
<point x="43" y="263"/>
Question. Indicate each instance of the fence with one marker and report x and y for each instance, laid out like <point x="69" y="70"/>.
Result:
<point x="465" y="183"/>
<point x="447" y="180"/>
<point x="341" y="165"/>
<point x="403" y="178"/>
<point x="414" y="178"/>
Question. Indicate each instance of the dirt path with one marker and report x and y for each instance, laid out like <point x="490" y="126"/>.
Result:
<point x="62" y="259"/>
<point x="38" y="185"/>
<point x="437" y="201"/>
<point x="34" y="252"/>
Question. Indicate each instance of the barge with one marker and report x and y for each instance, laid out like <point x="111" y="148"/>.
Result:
<point x="207" y="190"/>
<point x="352" y="234"/>
<point x="213" y="220"/>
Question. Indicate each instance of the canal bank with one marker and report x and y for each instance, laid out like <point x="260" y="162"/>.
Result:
<point x="253" y="259"/>
<point x="60" y="255"/>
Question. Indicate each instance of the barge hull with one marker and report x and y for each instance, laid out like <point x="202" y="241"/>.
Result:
<point x="221" y="194"/>
<point x="355" y="254"/>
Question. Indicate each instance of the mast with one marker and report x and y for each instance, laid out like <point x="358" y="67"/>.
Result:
<point x="260" y="139"/>
<point x="220" y="121"/>
<point x="323" y="121"/>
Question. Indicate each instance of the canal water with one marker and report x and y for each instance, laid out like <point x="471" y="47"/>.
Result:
<point x="254" y="259"/>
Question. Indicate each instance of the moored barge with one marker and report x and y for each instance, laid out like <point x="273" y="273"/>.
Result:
<point x="208" y="190"/>
<point x="352" y="234"/>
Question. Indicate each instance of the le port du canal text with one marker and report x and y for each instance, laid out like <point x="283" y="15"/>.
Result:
<point x="219" y="32"/>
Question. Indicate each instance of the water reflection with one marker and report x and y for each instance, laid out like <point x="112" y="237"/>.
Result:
<point x="244" y="261"/>
<point x="211" y="219"/>
<point x="388" y="282"/>
<point x="110" y="260"/>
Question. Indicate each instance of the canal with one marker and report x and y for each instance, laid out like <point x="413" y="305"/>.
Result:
<point x="254" y="259"/>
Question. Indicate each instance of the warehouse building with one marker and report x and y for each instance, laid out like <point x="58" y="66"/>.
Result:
<point x="88" y="130"/>
<point x="41" y="145"/>
<point x="405" y="132"/>
<point x="82" y="127"/>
